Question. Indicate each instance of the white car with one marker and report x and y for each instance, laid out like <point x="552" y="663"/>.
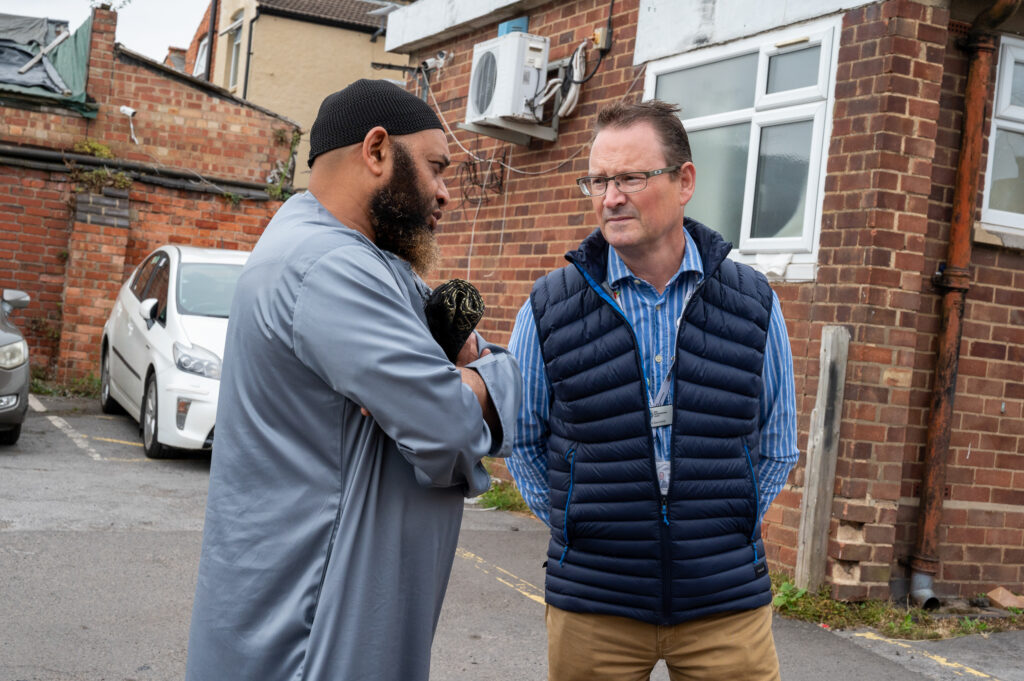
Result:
<point x="163" y="344"/>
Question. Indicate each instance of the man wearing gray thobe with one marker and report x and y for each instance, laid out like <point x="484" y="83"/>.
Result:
<point x="346" y="441"/>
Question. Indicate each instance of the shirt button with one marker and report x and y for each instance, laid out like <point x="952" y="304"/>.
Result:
<point x="657" y="307"/>
<point x="657" y="358"/>
<point x="636" y="281"/>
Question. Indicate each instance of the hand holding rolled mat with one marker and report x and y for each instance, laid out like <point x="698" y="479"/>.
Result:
<point x="453" y="310"/>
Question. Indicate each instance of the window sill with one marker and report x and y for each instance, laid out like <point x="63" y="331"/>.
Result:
<point x="998" y="235"/>
<point x="781" y="267"/>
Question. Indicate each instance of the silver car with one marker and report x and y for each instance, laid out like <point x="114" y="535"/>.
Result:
<point x="14" y="374"/>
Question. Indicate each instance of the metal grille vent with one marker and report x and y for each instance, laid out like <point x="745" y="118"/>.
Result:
<point x="484" y="81"/>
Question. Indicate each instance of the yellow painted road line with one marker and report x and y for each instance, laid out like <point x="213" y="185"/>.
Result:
<point x="117" y="442"/>
<point x="521" y="585"/>
<point x="958" y="668"/>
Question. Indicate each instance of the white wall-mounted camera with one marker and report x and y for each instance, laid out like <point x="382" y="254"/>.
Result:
<point x="435" y="62"/>
<point x="127" y="111"/>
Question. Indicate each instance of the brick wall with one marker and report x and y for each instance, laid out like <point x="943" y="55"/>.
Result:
<point x="512" y="236"/>
<point x="35" y="221"/>
<point x="886" y="210"/>
<point x="981" y="540"/>
<point x="202" y="31"/>
<point x="871" y="275"/>
<point x="70" y="245"/>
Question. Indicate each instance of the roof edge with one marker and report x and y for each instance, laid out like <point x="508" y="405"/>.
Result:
<point x="427" y="23"/>
<point x="323" y="21"/>
<point x="197" y="83"/>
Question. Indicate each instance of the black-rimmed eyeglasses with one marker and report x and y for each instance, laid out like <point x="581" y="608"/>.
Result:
<point x="627" y="183"/>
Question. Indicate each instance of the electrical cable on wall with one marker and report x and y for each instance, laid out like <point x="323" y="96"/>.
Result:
<point x="507" y="164"/>
<point x="472" y="228"/>
<point x="557" y="166"/>
<point x="603" y="46"/>
<point x="475" y="182"/>
<point x="571" y="96"/>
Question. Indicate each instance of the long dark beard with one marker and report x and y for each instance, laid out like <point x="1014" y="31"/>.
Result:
<point x="401" y="215"/>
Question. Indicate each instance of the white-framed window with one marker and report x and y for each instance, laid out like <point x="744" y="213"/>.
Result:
<point x="1002" y="209"/>
<point x="202" y="55"/>
<point x="758" y="113"/>
<point x="235" y="31"/>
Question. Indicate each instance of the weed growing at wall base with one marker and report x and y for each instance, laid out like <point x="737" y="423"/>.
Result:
<point x="87" y="386"/>
<point x="505" y="497"/>
<point x="888" y="618"/>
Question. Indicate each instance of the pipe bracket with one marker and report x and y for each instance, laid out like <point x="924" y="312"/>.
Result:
<point x="952" y="278"/>
<point x="925" y="564"/>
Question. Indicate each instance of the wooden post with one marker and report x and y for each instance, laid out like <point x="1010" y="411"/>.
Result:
<point x="822" y="450"/>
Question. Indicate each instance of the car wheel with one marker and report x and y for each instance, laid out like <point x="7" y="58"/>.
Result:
<point x="10" y="436"/>
<point x="152" y="447"/>
<point x="108" y="405"/>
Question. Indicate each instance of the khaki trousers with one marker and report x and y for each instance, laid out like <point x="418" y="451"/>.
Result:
<point x="733" y="646"/>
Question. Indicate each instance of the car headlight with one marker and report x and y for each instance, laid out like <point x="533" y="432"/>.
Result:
<point x="197" y="360"/>
<point x="13" y="355"/>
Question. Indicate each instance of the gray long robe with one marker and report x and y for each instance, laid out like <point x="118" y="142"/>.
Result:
<point x="330" y="536"/>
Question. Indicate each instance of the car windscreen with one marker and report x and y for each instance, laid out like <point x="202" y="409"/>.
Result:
<point x="205" y="289"/>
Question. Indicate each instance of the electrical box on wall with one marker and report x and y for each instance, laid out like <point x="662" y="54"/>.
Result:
<point x="507" y="72"/>
<point x="517" y="24"/>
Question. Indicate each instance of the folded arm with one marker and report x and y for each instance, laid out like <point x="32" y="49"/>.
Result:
<point x="354" y="328"/>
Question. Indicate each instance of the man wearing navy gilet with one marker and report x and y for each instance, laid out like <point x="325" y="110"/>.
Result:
<point x="658" y="424"/>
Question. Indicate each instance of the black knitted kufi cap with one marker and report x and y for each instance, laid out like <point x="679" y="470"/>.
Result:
<point x="346" y="116"/>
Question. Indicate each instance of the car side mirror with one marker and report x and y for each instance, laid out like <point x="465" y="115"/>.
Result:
<point x="147" y="310"/>
<point x="16" y="299"/>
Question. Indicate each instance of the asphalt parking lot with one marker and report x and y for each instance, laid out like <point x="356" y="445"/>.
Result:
<point x="99" y="548"/>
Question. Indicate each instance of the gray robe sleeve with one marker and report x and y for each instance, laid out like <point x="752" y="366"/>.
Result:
<point x="368" y="347"/>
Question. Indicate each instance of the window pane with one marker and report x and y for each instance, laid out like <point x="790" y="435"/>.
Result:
<point x="1007" y="191"/>
<point x="1017" y="93"/>
<point x="158" y="289"/>
<point x="236" y="49"/>
<point x="207" y="289"/>
<point x="720" y="86"/>
<point x="781" y="189"/>
<point x="139" y="285"/>
<point x="720" y="155"/>
<point x="793" y="70"/>
<point x="201" y="54"/>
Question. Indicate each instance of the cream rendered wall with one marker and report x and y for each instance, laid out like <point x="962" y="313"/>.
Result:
<point x="222" y="65"/>
<point x="296" y="64"/>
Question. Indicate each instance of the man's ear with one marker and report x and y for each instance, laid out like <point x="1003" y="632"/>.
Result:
<point x="375" y="150"/>
<point x="687" y="182"/>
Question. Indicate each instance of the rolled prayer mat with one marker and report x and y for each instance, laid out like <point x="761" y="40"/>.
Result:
<point x="453" y="310"/>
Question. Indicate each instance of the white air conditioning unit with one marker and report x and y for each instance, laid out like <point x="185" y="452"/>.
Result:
<point x="508" y="71"/>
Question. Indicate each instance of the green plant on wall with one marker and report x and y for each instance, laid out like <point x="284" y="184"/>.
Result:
<point x="110" y="4"/>
<point x="279" y="182"/>
<point x="44" y="328"/>
<point x="232" y="198"/>
<point x="95" y="180"/>
<point x="92" y="148"/>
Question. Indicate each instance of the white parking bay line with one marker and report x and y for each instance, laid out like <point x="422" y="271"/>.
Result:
<point x="80" y="440"/>
<point x="34" y="402"/>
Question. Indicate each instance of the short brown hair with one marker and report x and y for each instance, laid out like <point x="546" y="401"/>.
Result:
<point x="662" y="116"/>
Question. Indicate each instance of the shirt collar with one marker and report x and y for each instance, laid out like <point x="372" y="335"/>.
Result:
<point x="618" y="270"/>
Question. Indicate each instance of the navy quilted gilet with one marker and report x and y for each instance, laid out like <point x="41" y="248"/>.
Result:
<point x="617" y="547"/>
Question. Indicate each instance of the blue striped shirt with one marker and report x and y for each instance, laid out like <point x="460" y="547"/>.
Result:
<point x="654" y="317"/>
